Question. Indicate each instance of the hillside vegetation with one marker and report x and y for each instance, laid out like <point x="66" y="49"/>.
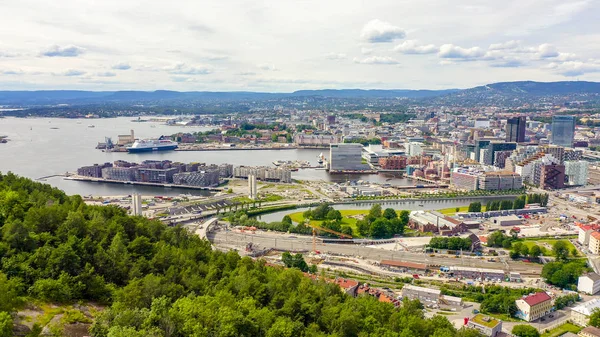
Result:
<point x="163" y="281"/>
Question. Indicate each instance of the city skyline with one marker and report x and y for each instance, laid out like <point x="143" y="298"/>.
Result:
<point x="282" y="47"/>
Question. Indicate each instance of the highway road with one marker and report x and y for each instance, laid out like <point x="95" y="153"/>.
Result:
<point x="304" y="243"/>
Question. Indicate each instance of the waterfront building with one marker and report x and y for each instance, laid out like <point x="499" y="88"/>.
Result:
<point x="303" y="139"/>
<point x="346" y="157"/>
<point x="515" y="129"/>
<point x="202" y="178"/>
<point x="576" y="172"/>
<point x="486" y="325"/>
<point x="393" y="163"/>
<point x="126" y="139"/>
<point x="119" y="173"/>
<point x="532" y="307"/>
<point x="580" y="314"/>
<point x="94" y="171"/>
<point x="589" y="283"/>
<point x="156" y="175"/>
<point x="264" y="173"/>
<point x="563" y="130"/>
<point x="136" y="204"/>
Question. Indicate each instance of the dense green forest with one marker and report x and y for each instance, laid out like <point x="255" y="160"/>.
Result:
<point x="162" y="281"/>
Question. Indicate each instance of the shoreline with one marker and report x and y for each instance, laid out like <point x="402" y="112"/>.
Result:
<point x="140" y="183"/>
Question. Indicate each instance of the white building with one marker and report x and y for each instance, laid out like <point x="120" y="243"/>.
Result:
<point x="252" y="187"/>
<point x="577" y="172"/>
<point x="584" y="232"/>
<point x="594" y="245"/>
<point x="414" y="148"/>
<point x="589" y="283"/>
<point x="425" y="295"/>
<point x="580" y="314"/>
<point x="533" y="306"/>
<point x="136" y="204"/>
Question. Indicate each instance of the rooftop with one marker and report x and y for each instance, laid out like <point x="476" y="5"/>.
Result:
<point x="422" y="289"/>
<point x="588" y="307"/>
<point x="403" y="264"/>
<point x="485" y="320"/>
<point x="592" y="276"/>
<point x="536" y="298"/>
<point x="596" y="235"/>
<point x="591" y="331"/>
<point x="345" y="283"/>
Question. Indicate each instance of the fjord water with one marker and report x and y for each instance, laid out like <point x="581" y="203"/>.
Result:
<point x="41" y="147"/>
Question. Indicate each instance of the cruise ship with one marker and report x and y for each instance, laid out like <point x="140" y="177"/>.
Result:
<point x="148" y="145"/>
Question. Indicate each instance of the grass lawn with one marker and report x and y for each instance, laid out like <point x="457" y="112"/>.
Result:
<point x="567" y="327"/>
<point x="452" y="210"/>
<point x="346" y="220"/>
<point x="547" y="243"/>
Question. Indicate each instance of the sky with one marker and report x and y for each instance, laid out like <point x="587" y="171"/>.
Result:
<point x="287" y="45"/>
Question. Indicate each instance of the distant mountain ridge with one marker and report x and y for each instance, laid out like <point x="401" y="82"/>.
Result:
<point x="505" y="90"/>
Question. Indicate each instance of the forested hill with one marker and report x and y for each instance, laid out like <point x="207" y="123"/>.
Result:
<point x="162" y="281"/>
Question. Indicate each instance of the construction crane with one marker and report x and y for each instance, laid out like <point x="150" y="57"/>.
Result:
<point x="314" y="234"/>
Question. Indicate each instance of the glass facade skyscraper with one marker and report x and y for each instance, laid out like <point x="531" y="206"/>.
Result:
<point x="515" y="129"/>
<point x="563" y="130"/>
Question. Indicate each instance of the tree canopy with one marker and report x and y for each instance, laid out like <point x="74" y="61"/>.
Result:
<point x="164" y="281"/>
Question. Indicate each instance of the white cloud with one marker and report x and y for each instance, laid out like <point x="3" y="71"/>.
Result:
<point x="508" y="45"/>
<point x="377" y="31"/>
<point x="547" y="50"/>
<point x="267" y="66"/>
<point x="184" y="69"/>
<point x="7" y="54"/>
<point x="508" y="64"/>
<point x="106" y="74"/>
<point x="12" y="72"/>
<point x="366" y="51"/>
<point x="566" y="57"/>
<point x="575" y="68"/>
<point x="376" y="60"/>
<point x="71" y="73"/>
<point x="413" y="47"/>
<point x="450" y="51"/>
<point x="121" y="66"/>
<point x="66" y="51"/>
<point x="336" y="56"/>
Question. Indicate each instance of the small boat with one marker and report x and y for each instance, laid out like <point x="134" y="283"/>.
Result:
<point x="91" y="126"/>
<point x="54" y="128"/>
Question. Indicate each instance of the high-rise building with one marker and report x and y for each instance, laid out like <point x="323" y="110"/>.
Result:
<point x="252" y="186"/>
<point x="515" y="129"/>
<point x="552" y="176"/>
<point x="487" y="153"/>
<point x="136" y="204"/>
<point x="563" y="130"/>
<point x="576" y="172"/>
<point x="346" y="157"/>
